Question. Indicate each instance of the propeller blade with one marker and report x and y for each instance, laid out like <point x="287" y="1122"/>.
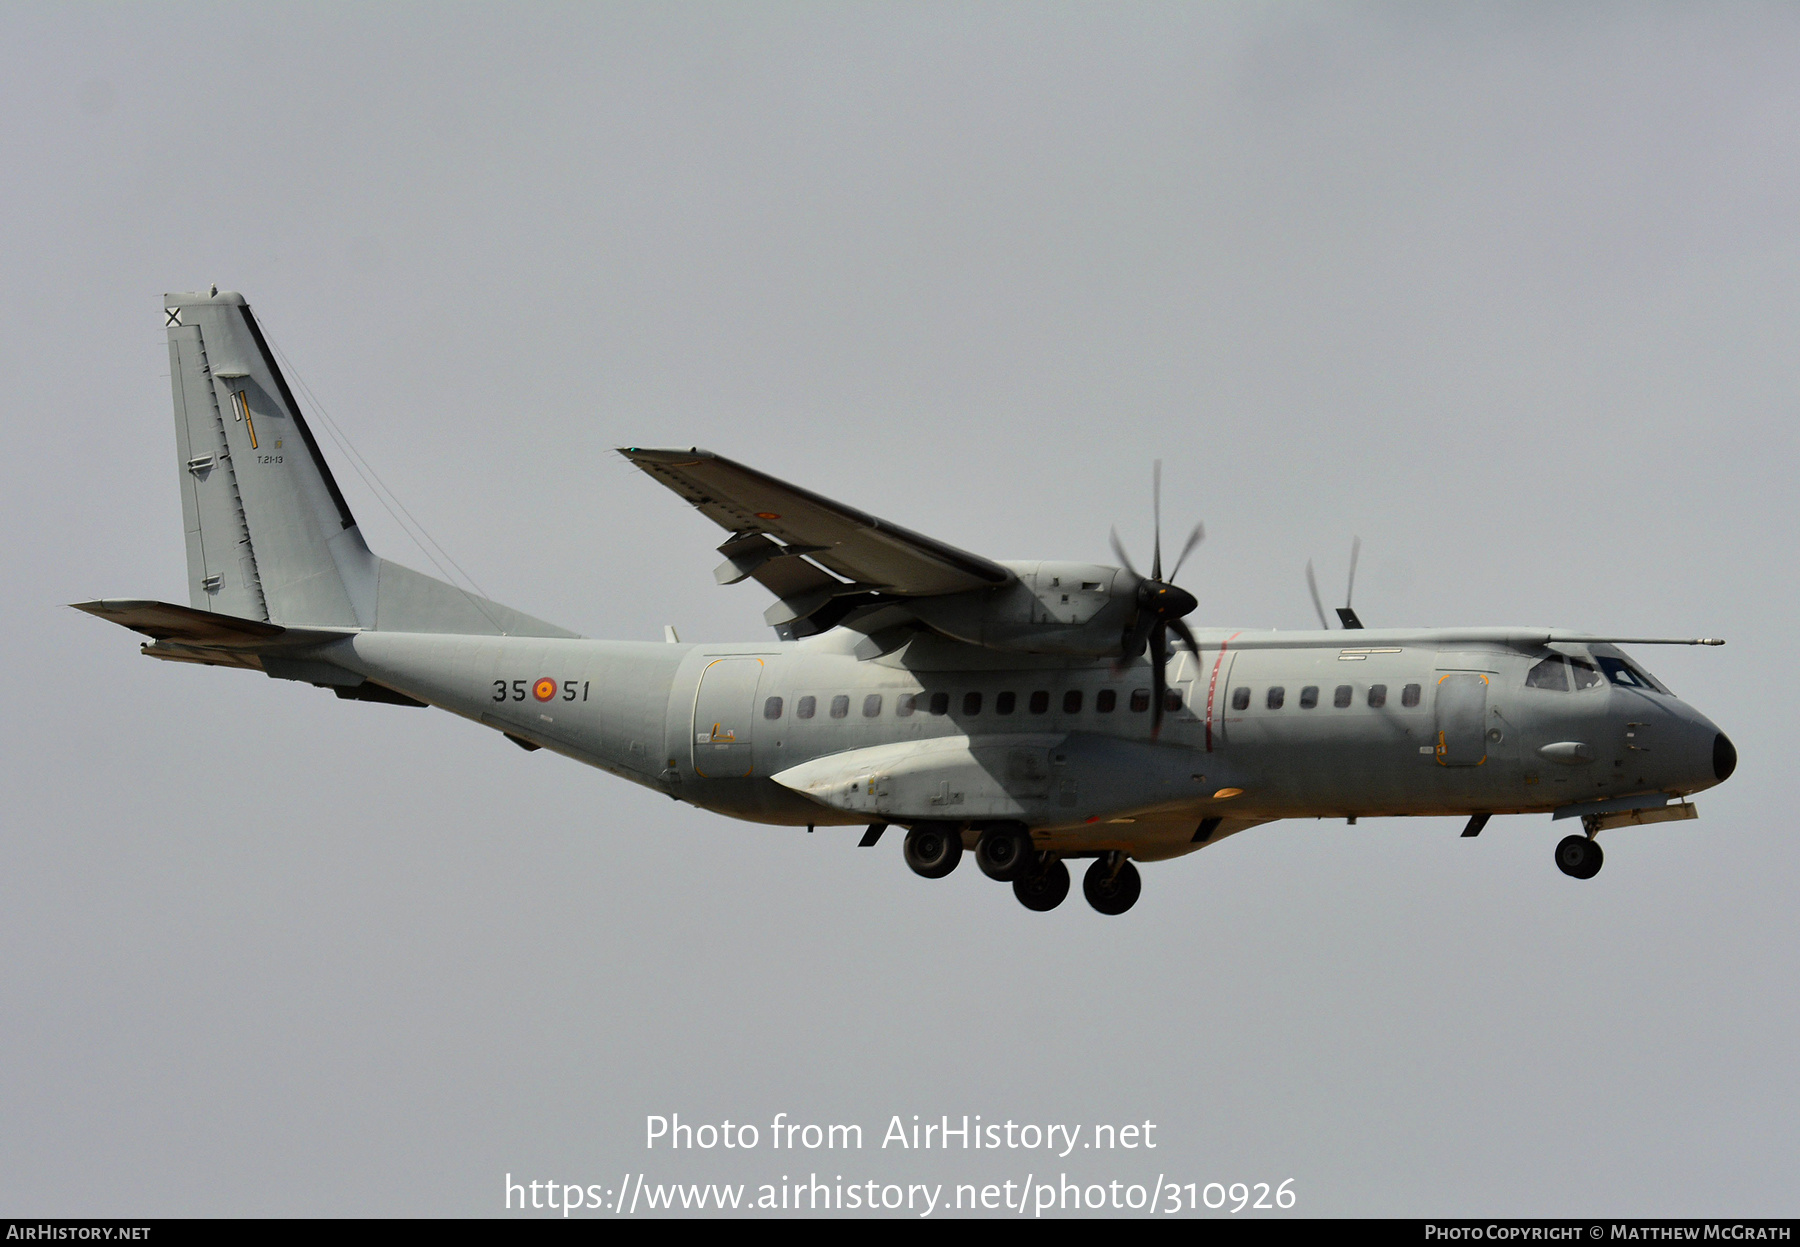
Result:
<point x="1156" y="509"/>
<point x="1312" y="586"/>
<point x="1187" y="637"/>
<point x="1136" y="635"/>
<point x="1194" y="539"/>
<point x="1159" y="657"/>
<point x="1124" y="558"/>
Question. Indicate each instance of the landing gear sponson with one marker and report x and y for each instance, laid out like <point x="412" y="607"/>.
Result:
<point x="1039" y="880"/>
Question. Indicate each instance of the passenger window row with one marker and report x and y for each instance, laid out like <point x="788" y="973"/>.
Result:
<point x="905" y="704"/>
<point x="1276" y="696"/>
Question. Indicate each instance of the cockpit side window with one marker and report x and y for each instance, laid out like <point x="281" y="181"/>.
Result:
<point x="1551" y="673"/>
<point x="1585" y="675"/>
<point x="1622" y="672"/>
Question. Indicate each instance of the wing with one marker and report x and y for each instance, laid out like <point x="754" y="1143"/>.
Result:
<point x="807" y="549"/>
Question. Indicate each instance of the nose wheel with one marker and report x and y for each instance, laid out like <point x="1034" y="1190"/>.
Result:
<point x="1579" y="857"/>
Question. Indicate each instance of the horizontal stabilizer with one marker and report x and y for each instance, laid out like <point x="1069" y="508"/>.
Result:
<point x="185" y="634"/>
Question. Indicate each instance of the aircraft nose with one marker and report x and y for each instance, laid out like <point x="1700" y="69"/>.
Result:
<point x="1724" y="757"/>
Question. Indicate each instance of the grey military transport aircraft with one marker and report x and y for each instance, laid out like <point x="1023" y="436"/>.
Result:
<point x="1029" y="712"/>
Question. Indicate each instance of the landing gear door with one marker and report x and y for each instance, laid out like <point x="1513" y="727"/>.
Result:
<point x="1461" y="709"/>
<point x="724" y="718"/>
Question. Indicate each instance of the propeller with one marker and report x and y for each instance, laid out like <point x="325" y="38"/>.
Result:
<point x="1346" y="616"/>
<point x="1160" y="606"/>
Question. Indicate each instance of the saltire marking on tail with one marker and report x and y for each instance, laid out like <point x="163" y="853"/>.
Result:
<point x="243" y="403"/>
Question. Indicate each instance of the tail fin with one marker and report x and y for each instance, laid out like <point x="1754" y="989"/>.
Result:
<point x="269" y="535"/>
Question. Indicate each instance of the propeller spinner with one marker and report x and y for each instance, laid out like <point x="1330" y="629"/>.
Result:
<point x="1161" y="604"/>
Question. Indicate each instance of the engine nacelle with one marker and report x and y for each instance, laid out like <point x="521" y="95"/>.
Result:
<point x="1050" y="608"/>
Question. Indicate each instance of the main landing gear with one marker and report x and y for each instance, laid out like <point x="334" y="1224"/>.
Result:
<point x="1040" y="880"/>
<point x="1112" y="883"/>
<point x="1579" y="857"/>
<point x="1042" y="888"/>
<point x="933" y="849"/>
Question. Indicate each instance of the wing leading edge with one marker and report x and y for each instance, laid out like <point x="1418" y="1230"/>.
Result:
<point x="819" y="557"/>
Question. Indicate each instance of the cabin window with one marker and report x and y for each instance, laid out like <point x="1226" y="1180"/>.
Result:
<point x="1275" y="697"/>
<point x="905" y="704"/>
<point x="1409" y="696"/>
<point x="971" y="703"/>
<point x="840" y="706"/>
<point x="1624" y="673"/>
<point x="1585" y="675"/>
<point x="1309" y="697"/>
<point x="1005" y="703"/>
<point x="772" y="708"/>
<point x="1040" y="702"/>
<point x="1072" y="701"/>
<point x="807" y="707"/>
<point x="1240" y="698"/>
<point x="1377" y="696"/>
<point x="1140" y="700"/>
<point x="1105" y="701"/>
<point x="1551" y="673"/>
<point x="940" y="703"/>
<point x="872" y="706"/>
<point x="1341" y="698"/>
<point x="1171" y="699"/>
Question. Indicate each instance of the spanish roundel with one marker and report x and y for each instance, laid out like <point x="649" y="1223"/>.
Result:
<point x="544" y="689"/>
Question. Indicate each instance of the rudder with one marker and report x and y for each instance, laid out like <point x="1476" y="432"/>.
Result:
<point x="269" y="534"/>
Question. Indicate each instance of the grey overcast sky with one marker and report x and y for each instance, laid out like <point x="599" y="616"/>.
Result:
<point x="1508" y="290"/>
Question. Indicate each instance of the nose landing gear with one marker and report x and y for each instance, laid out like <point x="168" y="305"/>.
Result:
<point x="1579" y="857"/>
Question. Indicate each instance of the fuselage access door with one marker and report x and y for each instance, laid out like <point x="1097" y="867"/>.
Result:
<point x="725" y="717"/>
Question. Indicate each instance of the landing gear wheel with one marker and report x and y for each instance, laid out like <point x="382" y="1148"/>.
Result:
<point x="1005" y="853"/>
<point x="933" y="850"/>
<point x="1043" y="889"/>
<point x="1111" y="891"/>
<point x="1579" y="857"/>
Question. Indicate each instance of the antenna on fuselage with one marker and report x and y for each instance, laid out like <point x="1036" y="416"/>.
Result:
<point x="1346" y="615"/>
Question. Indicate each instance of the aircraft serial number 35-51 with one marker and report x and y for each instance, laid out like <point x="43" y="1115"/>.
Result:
<point x="1029" y="712"/>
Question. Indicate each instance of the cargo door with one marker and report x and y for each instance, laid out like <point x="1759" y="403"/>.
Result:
<point x="724" y="716"/>
<point x="1461" y="710"/>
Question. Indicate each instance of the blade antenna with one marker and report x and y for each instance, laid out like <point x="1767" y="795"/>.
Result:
<point x="1312" y="586"/>
<point x="1350" y="589"/>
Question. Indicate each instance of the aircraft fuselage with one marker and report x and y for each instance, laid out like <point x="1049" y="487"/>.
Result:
<point x="1269" y="725"/>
